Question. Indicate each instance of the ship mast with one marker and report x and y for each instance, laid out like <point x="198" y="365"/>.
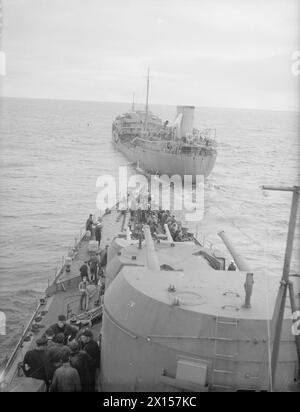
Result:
<point x="147" y="103"/>
<point x="285" y="284"/>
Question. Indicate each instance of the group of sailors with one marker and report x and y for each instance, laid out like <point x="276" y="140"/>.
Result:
<point x="88" y="288"/>
<point x="94" y="229"/>
<point x="92" y="270"/>
<point x="156" y="220"/>
<point x="197" y="146"/>
<point x="65" y="358"/>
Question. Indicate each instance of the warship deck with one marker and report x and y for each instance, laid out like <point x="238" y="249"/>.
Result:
<point x="61" y="296"/>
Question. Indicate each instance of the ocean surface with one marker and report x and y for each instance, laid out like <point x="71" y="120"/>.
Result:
<point x="51" y="153"/>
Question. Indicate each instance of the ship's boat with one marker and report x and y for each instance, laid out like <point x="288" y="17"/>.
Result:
<point x="165" y="149"/>
<point x="172" y="317"/>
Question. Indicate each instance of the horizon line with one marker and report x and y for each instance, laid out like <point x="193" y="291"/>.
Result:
<point x="154" y="103"/>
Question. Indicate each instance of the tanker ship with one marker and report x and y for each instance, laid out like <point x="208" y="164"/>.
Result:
<point x="160" y="148"/>
<point x="173" y="317"/>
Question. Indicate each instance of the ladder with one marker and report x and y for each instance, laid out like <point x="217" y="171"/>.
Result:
<point x="225" y="353"/>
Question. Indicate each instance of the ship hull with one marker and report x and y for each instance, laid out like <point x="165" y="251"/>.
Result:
<point x="168" y="163"/>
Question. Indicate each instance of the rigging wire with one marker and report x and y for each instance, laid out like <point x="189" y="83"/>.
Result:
<point x="268" y="352"/>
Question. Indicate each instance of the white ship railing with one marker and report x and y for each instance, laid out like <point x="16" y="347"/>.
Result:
<point x="176" y="148"/>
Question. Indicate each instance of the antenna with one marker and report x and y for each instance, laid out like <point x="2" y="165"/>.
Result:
<point x="132" y="107"/>
<point x="285" y="284"/>
<point x="147" y="101"/>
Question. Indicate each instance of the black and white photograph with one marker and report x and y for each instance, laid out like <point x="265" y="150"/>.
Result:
<point x="149" y="198"/>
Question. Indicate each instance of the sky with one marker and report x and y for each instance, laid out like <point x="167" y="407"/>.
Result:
<point x="213" y="53"/>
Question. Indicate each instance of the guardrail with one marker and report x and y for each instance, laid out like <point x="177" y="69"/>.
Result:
<point x="12" y="357"/>
<point x="58" y="273"/>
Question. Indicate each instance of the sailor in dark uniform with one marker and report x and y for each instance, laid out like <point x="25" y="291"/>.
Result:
<point x="36" y="362"/>
<point x="62" y="326"/>
<point x="232" y="266"/>
<point x="98" y="232"/>
<point x="89" y="224"/>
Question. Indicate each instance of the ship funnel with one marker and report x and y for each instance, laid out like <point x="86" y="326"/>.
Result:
<point x="152" y="259"/>
<point x="187" y="119"/>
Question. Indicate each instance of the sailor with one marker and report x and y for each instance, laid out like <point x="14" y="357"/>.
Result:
<point x="84" y="270"/>
<point x="174" y="228"/>
<point x="159" y="214"/>
<point x="49" y="335"/>
<point x="103" y="256"/>
<point x="89" y="224"/>
<point x="54" y="351"/>
<point x="92" y="349"/>
<point x="149" y="221"/>
<point x="177" y="236"/>
<point x="98" y="231"/>
<point x="143" y="216"/>
<point x="93" y="265"/>
<point x="62" y="326"/>
<point x="101" y="289"/>
<point x="232" y="266"/>
<point x="80" y="360"/>
<point x="36" y="362"/>
<point x="163" y="218"/>
<point x="66" y="378"/>
<point x="169" y="220"/>
<point x="83" y="293"/>
<point x="152" y="222"/>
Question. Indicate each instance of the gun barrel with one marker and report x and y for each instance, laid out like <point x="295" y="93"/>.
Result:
<point x="167" y="230"/>
<point x="152" y="259"/>
<point x="239" y="260"/>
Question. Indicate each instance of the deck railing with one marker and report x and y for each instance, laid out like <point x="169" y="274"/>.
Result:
<point x="176" y="148"/>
